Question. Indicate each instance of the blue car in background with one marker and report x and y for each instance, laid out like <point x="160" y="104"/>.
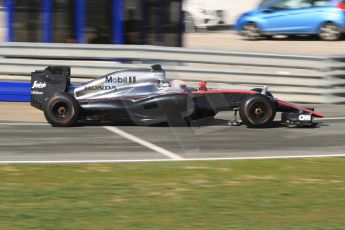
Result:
<point x="325" y="18"/>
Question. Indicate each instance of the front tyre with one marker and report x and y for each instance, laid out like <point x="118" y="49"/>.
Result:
<point x="257" y="111"/>
<point x="251" y="31"/>
<point x="61" y="110"/>
<point x="329" y="32"/>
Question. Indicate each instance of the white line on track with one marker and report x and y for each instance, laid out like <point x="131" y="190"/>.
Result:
<point x="171" y="160"/>
<point x="144" y="143"/>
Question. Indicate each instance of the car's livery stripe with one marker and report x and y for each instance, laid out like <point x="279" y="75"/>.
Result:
<point x="300" y="108"/>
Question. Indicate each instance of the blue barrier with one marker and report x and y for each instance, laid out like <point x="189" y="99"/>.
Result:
<point x="15" y="91"/>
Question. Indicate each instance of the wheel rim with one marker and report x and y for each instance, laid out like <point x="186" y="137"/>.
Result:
<point x="329" y="32"/>
<point x="61" y="110"/>
<point x="251" y="31"/>
<point x="259" y="112"/>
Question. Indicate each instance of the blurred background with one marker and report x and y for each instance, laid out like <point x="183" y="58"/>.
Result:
<point x="210" y="24"/>
<point x="310" y="31"/>
<point x="156" y="22"/>
<point x="89" y="21"/>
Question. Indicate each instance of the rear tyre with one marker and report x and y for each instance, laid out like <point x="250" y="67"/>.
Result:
<point x="251" y="31"/>
<point x="257" y="111"/>
<point x="329" y="32"/>
<point x="61" y="110"/>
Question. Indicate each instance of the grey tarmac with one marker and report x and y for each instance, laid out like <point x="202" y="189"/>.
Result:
<point x="37" y="141"/>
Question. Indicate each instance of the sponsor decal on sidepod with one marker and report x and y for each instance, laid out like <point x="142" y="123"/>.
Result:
<point x="121" y="80"/>
<point x="38" y="85"/>
<point x="97" y="88"/>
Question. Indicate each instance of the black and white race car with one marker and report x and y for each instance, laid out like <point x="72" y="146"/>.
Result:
<point x="145" y="97"/>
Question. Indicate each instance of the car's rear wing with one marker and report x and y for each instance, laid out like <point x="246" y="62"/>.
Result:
<point x="45" y="83"/>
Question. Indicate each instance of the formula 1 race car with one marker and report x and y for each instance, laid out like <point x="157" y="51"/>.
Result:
<point x="145" y="97"/>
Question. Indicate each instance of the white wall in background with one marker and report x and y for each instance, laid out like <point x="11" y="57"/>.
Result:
<point x="233" y="8"/>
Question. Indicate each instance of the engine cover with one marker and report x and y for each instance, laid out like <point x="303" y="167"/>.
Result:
<point x="116" y="81"/>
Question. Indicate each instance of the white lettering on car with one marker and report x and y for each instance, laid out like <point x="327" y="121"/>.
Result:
<point x="304" y="117"/>
<point x="38" y="85"/>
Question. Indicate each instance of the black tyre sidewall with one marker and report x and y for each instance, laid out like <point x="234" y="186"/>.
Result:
<point x="71" y="104"/>
<point x="247" y="117"/>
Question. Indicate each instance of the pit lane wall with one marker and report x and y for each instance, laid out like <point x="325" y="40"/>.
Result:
<point x="304" y="79"/>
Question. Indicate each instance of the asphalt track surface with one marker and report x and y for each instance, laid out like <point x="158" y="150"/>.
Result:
<point x="22" y="141"/>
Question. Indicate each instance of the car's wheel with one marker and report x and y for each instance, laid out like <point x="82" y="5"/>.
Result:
<point x="61" y="110"/>
<point x="251" y="31"/>
<point x="257" y="111"/>
<point x="329" y="32"/>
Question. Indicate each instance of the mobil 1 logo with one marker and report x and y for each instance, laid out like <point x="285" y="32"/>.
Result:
<point x="120" y="80"/>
